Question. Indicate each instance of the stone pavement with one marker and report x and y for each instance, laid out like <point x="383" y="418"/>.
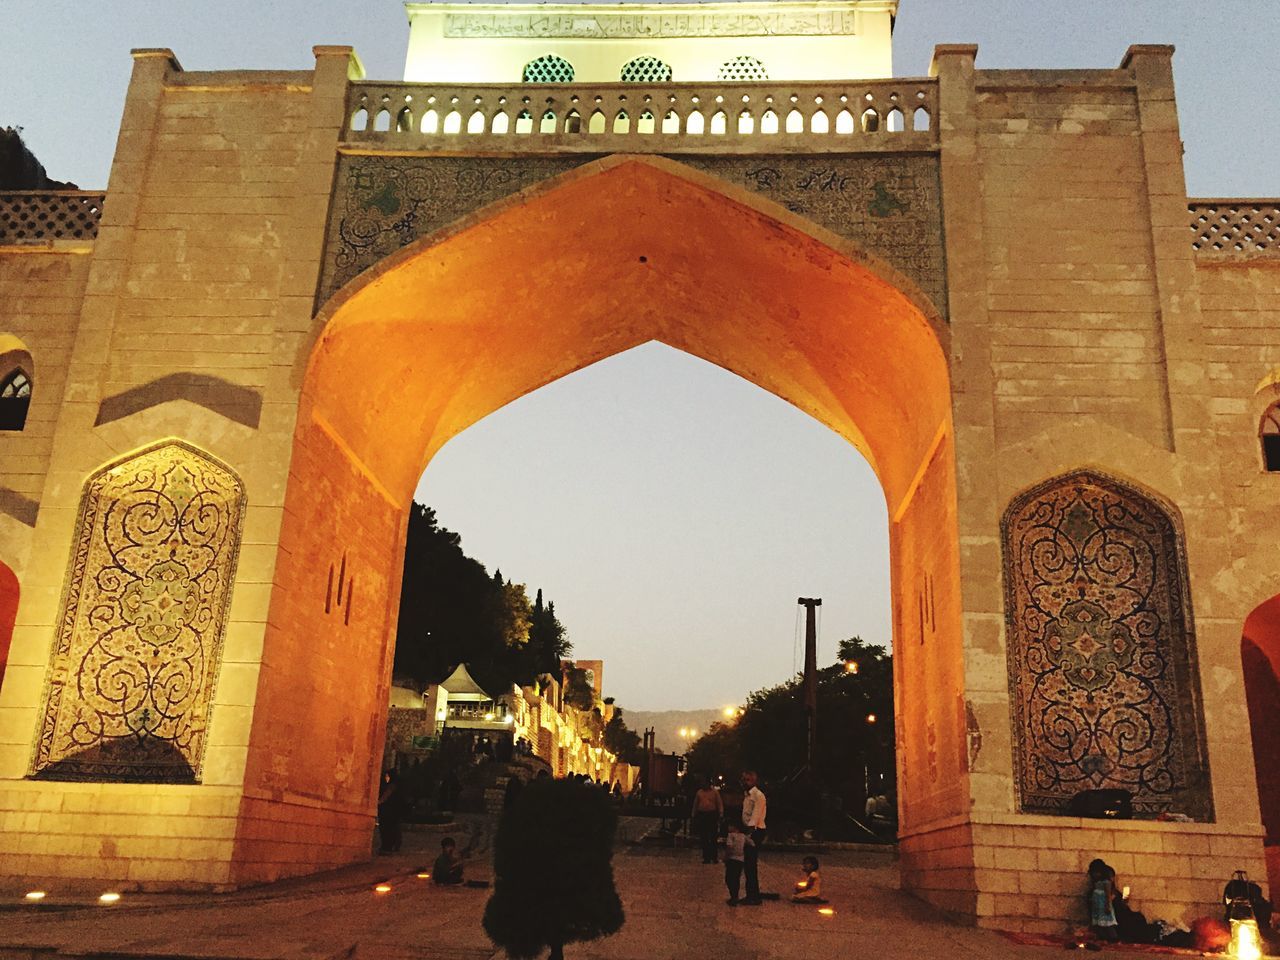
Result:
<point x="675" y="910"/>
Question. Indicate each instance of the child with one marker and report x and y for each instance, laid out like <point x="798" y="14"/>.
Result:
<point x="735" y="846"/>
<point x="809" y="886"/>
<point x="1102" y="895"/>
<point x="448" y="866"/>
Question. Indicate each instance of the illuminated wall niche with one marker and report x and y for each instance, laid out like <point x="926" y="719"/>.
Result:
<point x="144" y="609"/>
<point x="1102" y="663"/>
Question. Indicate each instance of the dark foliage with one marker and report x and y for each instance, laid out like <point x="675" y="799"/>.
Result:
<point x="578" y="692"/>
<point x="553" y="879"/>
<point x="623" y="742"/>
<point x="452" y="611"/>
<point x="853" y="755"/>
<point x="19" y="168"/>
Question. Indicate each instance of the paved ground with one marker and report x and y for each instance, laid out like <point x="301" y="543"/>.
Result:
<point x="674" y="904"/>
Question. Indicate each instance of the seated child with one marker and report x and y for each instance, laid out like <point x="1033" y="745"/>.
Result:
<point x="809" y="886"/>
<point x="448" y="866"/>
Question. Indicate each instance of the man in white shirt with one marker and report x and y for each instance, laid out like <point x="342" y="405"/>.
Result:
<point x="753" y="811"/>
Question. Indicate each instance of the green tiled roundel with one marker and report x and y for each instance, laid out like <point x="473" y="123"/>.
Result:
<point x="743" y="68"/>
<point x="645" y="70"/>
<point x="548" y="69"/>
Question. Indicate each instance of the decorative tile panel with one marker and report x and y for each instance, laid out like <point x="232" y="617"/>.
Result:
<point x="888" y="204"/>
<point x="1102" y="664"/>
<point x="140" y="638"/>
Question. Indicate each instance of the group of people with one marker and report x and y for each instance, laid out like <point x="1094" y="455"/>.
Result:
<point x="744" y="834"/>
<point x="1113" y="919"/>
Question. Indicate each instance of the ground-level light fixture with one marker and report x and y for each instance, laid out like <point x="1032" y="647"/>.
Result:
<point x="109" y="897"/>
<point x="871" y="718"/>
<point x="33" y="895"/>
<point x="424" y="876"/>
<point x="826" y="911"/>
<point x="1246" y="941"/>
<point x="382" y="888"/>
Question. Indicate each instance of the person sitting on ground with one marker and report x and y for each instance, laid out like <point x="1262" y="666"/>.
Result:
<point x="448" y="866"/>
<point x="809" y="886"/>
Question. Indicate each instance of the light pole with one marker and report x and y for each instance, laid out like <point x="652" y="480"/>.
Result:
<point x="811" y="605"/>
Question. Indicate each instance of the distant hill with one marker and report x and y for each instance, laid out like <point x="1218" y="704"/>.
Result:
<point x="667" y="723"/>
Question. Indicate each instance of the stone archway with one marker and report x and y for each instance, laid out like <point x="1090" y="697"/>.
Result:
<point x="611" y="255"/>
<point x="1260" y="655"/>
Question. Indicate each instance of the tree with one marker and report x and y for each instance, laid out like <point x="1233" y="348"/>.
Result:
<point x="452" y="611"/>
<point x="855" y="752"/>
<point x="548" y="640"/>
<point x="577" y="691"/>
<point x="623" y="742"/>
<point x="553" y="877"/>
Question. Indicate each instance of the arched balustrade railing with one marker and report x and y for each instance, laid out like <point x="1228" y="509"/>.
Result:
<point x="850" y="116"/>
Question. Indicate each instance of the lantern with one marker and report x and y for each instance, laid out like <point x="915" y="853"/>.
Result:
<point x="1246" y="939"/>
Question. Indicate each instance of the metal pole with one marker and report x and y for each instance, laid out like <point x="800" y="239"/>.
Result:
<point x="811" y="673"/>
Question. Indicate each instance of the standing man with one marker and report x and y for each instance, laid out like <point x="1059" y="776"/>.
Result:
<point x="753" y="810"/>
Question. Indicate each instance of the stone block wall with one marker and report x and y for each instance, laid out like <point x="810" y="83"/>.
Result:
<point x="41" y="291"/>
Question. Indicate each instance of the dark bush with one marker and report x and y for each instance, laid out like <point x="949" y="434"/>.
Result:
<point x="553" y="879"/>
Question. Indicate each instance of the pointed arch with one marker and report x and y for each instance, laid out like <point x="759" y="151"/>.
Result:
<point x="17" y="374"/>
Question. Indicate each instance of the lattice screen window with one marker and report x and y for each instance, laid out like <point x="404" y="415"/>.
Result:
<point x="15" y="399"/>
<point x="1271" y="439"/>
<point x="743" y="68"/>
<point x="645" y="70"/>
<point x="548" y="69"/>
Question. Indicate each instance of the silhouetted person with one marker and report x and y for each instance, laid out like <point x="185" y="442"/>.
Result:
<point x="753" y="822"/>
<point x="390" y="810"/>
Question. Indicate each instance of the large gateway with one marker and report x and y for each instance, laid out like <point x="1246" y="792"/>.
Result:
<point x="225" y="375"/>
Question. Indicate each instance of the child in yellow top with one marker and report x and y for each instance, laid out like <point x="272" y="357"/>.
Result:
<point x="809" y="886"/>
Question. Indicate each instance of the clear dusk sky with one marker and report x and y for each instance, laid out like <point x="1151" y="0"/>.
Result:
<point x="673" y="511"/>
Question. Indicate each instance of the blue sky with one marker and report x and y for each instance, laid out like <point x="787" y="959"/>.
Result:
<point x="672" y="510"/>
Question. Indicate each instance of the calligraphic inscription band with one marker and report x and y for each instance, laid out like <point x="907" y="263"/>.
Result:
<point x="1102" y="663"/>
<point x="140" y="637"/>
<point x="598" y="25"/>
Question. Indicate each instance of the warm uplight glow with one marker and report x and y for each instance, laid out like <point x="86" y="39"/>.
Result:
<point x="871" y="718"/>
<point x="851" y="666"/>
<point x="488" y="716"/>
<point x="34" y="895"/>
<point x="1246" y="943"/>
<point x="110" y="897"/>
<point x="826" y="911"/>
<point x="424" y="876"/>
<point x="382" y="888"/>
<point x="509" y="720"/>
